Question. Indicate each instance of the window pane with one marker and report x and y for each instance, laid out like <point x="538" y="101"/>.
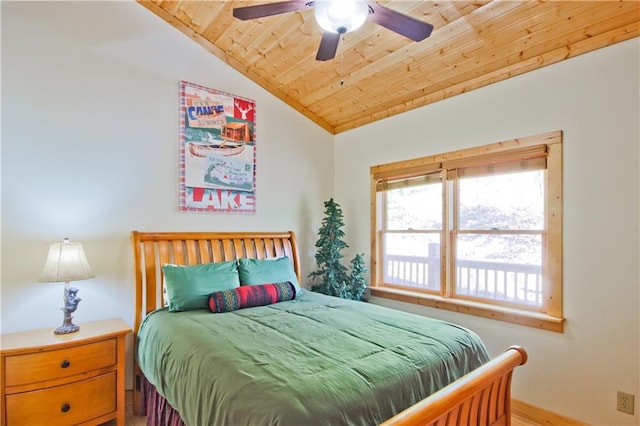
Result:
<point x="500" y="267"/>
<point x="507" y="201"/>
<point x="416" y="207"/>
<point x="412" y="260"/>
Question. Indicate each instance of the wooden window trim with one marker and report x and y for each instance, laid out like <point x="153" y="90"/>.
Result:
<point x="552" y="318"/>
<point x="500" y="313"/>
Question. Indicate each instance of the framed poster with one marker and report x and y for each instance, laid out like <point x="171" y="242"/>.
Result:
<point x="217" y="151"/>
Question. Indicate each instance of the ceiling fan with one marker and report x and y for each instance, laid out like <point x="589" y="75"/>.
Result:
<point x="338" y="17"/>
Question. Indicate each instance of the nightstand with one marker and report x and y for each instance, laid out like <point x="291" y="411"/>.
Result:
<point x="65" y="379"/>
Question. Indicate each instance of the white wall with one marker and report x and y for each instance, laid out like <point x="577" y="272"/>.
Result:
<point x="594" y="100"/>
<point x="90" y="143"/>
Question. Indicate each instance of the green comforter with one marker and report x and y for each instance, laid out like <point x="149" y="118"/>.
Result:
<point x="315" y="360"/>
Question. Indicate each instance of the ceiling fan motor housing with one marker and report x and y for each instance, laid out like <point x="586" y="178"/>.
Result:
<point x="340" y="16"/>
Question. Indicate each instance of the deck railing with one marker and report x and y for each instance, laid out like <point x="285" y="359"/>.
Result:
<point x="510" y="282"/>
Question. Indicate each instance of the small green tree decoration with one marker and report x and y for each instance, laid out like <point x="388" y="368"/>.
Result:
<point x="333" y="278"/>
<point x="356" y="284"/>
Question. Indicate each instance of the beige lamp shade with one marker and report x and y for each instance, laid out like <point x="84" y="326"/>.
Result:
<point x="66" y="262"/>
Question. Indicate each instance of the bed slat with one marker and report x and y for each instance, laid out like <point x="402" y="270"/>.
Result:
<point x="227" y="250"/>
<point x="268" y="248"/>
<point x="216" y="247"/>
<point x="465" y="412"/>
<point x="178" y="252"/>
<point x="205" y="253"/>
<point x="193" y="257"/>
<point x="250" y="251"/>
<point x="279" y="248"/>
<point x="485" y="399"/>
<point x="150" y="275"/>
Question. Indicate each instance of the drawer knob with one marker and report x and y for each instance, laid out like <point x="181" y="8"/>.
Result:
<point x="65" y="364"/>
<point x="65" y="407"/>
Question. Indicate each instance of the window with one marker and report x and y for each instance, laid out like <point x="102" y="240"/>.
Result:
<point x="477" y="231"/>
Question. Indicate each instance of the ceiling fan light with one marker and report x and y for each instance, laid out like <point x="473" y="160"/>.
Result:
<point x="340" y="16"/>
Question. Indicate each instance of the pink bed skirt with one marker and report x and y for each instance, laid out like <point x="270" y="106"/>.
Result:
<point x="159" y="412"/>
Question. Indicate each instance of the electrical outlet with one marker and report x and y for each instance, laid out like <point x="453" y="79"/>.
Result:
<point x="625" y="402"/>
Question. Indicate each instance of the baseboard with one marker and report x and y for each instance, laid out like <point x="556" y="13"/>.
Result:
<point x="540" y="416"/>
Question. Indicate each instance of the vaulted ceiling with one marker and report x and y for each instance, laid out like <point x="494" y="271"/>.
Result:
<point x="378" y="73"/>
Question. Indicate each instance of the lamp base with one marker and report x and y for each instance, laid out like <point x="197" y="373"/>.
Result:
<point x="66" y="328"/>
<point x="71" y="301"/>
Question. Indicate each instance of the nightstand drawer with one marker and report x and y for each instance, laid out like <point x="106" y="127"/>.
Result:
<point x="69" y="404"/>
<point x="59" y="363"/>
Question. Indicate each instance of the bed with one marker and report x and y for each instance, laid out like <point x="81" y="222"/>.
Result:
<point x="308" y="359"/>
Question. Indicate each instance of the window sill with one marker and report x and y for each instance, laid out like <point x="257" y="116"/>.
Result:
<point x="514" y="316"/>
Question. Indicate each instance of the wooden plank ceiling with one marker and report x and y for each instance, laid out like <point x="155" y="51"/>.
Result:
<point x="474" y="43"/>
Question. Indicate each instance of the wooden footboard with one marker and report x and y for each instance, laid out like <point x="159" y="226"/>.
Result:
<point x="481" y="398"/>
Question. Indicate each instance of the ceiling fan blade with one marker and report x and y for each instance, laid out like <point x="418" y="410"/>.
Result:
<point x="397" y="22"/>
<point x="269" y="9"/>
<point x="328" y="46"/>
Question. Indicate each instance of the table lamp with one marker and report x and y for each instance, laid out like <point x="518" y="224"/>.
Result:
<point x="66" y="262"/>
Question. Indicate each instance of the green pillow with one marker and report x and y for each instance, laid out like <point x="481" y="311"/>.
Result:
<point x="188" y="287"/>
<point x="265" y="271"/>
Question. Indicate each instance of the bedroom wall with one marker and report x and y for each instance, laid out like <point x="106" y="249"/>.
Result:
<point x="594" y="100"/>
<point x="90" y="144"/>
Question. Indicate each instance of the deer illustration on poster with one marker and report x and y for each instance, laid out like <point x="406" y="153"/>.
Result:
<point x="243" y="109"/>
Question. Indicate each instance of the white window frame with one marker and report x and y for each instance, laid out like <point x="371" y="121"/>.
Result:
<point x="548" y="146"/>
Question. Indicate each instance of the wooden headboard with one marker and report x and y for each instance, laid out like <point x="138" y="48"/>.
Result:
<point x="151" y="250"/>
